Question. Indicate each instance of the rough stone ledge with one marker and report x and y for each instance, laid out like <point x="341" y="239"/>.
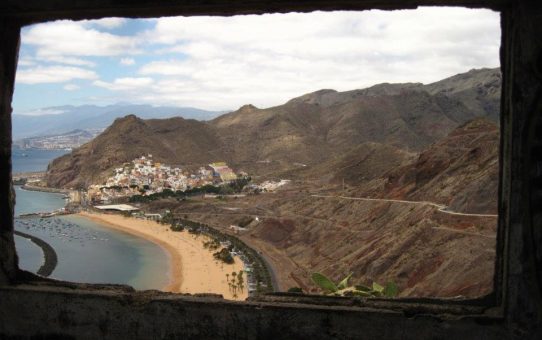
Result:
<point x="441" y="309"/>
<point x="484" y="307"/>
<point x="50" y="311"/>
<point x="32" y="11"/>
<point x="445" y="309"/>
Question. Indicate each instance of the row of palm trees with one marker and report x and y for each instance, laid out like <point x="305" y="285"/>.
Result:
<point x="261" y="274"/>
<point x="237" y="282"/>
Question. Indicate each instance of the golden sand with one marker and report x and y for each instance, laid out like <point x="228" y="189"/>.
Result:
<point x="192" y="267"/>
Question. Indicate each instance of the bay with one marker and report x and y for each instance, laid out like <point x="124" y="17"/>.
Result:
<point x="32" y="160"/>
<point x="87" y="251"/>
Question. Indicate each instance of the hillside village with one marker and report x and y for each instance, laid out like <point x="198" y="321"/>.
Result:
<point x="144" y="176"/>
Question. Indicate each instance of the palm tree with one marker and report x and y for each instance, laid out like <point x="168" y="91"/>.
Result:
<point x="234" y="283"/>
<point x="240" y="281"/>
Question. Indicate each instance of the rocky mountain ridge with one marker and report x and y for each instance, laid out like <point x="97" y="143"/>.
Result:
<point x="308" y="130"/>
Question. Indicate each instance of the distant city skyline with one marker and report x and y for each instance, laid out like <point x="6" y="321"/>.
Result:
<point x="222" y="63"/>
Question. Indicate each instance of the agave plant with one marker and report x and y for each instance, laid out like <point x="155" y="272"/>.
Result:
<point x="343" y="289"/>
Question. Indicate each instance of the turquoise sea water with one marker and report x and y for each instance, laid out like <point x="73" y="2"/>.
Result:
<point x="87" y="251"/>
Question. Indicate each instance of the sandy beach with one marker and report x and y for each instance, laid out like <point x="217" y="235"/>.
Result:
<point x="192" y="267"/>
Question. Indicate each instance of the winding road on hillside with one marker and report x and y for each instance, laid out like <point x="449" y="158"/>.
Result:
<point x="266" y="213"/>
<point x="442" y="208"/>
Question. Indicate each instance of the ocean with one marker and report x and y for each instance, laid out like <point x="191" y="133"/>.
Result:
<point x="87" y="251"/>
<point x="32" y="160"/>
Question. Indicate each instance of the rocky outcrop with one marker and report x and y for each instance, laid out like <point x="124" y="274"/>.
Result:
<point x="460" y="171"/>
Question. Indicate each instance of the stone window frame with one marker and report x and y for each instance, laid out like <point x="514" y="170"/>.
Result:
<point x="512" y="310"/>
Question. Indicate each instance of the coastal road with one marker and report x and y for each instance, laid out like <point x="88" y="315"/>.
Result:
<point x="267" y="263"/>
<point x="440" y="207"/>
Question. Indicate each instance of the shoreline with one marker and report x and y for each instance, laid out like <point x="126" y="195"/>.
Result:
<point x="186" y="255"/>
<point x="50" y="259"/>
<point x="34" y="174"/>
<point x="45" y="189"/>
<point x="175" y="274"/>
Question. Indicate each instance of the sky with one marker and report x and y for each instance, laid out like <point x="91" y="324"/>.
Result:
<point x="222" y="63"/>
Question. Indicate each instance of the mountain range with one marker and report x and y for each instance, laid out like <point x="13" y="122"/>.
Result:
<point x="308" y="130"/>
<point x="62" y="119"/>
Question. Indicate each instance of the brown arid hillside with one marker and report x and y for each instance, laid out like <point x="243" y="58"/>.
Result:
<point x="172" y="141"/>
<point x="313" y="127"/>
<point x="478" y="90"/>
<point x="362" y="164"/>
<point x="460" y="171"/>
<point x="305" y="131"/>
<point x="428" y="224"/>
<point x="426" y="251"/>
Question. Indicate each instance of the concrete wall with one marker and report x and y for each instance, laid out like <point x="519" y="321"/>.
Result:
<point x="38" y="308"/>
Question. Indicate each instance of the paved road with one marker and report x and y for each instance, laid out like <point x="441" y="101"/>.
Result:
<point x="440" y="207"/>
<point x="268" y="264"/>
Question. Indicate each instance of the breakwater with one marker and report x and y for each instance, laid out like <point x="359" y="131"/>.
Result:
<point x="49" y="254"/>
<point x="45" y="214"/>
<point x="44" y="189"/>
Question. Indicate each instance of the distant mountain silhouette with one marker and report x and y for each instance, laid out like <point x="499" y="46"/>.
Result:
<point x="68" y="118"/>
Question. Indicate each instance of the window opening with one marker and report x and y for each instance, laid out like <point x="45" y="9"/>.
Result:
<point x="370" y="148"/>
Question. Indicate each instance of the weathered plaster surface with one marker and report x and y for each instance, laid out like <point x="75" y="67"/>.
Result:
<point x="111" y="315"/>
<point x="37" y="10"/>
<point x="9" y="47"/>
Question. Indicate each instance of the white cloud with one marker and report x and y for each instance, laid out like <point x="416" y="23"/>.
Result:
<point x="25" y="61"/>
<point x="127" y="61"/>
<point x="69" y="38"/>
<point x="71" y="87"/>
<point x="68" y="60"/>
<point x="125" y="84"/>
<point x="169" y="68"/>
<point x="53" y="74"/>
<point x="265" y="60"/>
<point x="41" y="112"/>
<point x="225" y="62"/>
<point x="109" y="23"/>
